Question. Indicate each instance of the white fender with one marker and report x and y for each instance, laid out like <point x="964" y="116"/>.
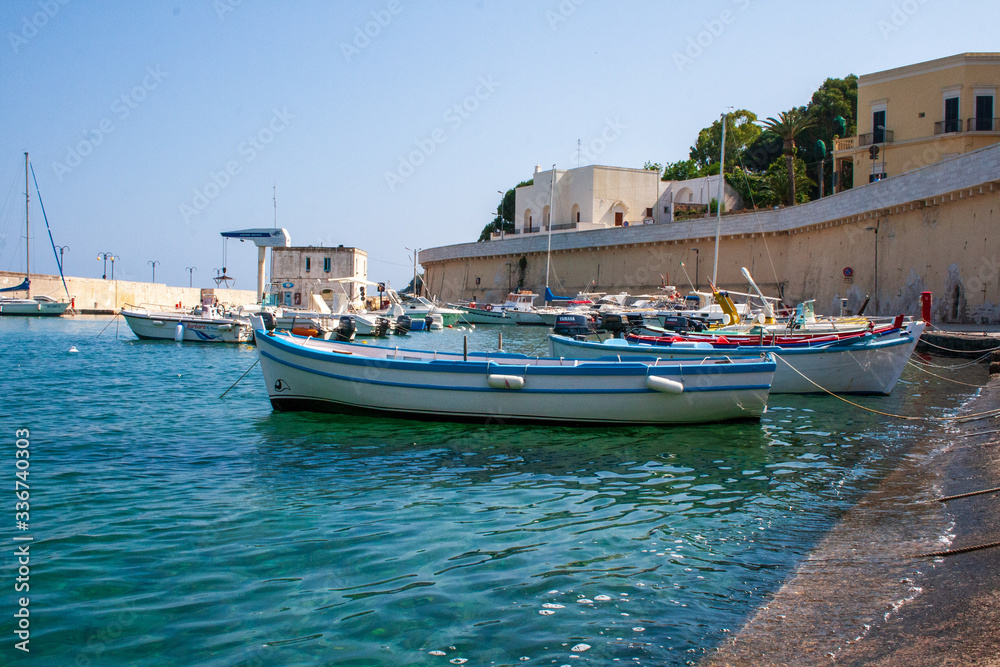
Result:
<point x="505" y="381"/>
<point x="665" y="385"/>
<point x="179" y="332"/>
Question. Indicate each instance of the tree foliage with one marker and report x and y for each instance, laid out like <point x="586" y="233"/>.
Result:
<point x="505" y="213"/>
<point x="741" y="131"/>
<point x="787" y="126"/>
<point x="680" y="170"/>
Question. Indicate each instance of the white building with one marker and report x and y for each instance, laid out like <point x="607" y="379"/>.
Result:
<point x="599" y="197"/>
<point x="300" y="272"/>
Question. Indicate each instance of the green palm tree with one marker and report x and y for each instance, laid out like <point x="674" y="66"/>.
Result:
<point x="787" y="126"/>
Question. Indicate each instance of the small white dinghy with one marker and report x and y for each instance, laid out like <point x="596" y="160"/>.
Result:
<point x="327" y="376"/>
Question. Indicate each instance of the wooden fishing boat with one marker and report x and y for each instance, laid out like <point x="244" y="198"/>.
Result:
<point x="867" y="364"/>
<point x="318" y="375"/>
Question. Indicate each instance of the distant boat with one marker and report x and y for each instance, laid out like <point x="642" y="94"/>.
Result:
<point x="326" y="376"/>
<point x="473" y="313"/>
<point x="864" y="364"/>
<point x="37" y="305"/>
<point x="205" y="326"/>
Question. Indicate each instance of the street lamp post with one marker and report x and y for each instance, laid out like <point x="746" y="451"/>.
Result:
<point x="190" y="270"/>
<point x="152" y="263"/>
<point x="415" y="293"/>
<point x="697" y="258"/>
<point x="875" y="229"/>
<point x="61" y="248"/>
<point x="106" y="256"/>
<point x="502" y="194"/>
<point x="113" y="258"/>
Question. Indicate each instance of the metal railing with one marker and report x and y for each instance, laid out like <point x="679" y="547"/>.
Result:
<point x="983" y="124"/>
<point x="948" y="126"/>
<point x="876" y="137"/>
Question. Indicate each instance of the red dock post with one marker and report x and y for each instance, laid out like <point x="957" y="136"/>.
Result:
<point x="925" y="306"/>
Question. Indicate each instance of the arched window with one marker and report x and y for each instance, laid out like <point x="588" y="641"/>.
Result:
<point x="575" y="214"/>
<point x="527" y="220"/>
<point x="545" y="217"/>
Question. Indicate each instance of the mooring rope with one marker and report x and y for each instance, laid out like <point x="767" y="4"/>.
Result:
<point x="241" y="377"/>
<point x="966" y="495"/>
<point x="952" y="368"/>
<point x="948" y="349"/>
<point x="957" y="418"/>
<point x="952" y="552"/>
<point x="941" y="377"/>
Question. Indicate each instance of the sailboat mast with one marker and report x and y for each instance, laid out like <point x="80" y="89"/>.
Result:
<point x="718" y="202"/>
<point x="27" y="227"/>
<point x="548" y="251"/>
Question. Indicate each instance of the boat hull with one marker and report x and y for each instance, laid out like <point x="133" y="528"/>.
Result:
<point x="500" y="388"/>
<point x="33" y="308"/>
<point x="163" y="326"/>
<point x="872" y="366"/>
<point x="482" y="316"/>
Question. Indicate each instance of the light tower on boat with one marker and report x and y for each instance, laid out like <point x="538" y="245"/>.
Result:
<point x="263" y="238"/>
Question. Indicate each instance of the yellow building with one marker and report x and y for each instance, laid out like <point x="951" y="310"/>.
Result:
<point x="913" y="116"/>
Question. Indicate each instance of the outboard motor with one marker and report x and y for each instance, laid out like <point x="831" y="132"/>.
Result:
<point x="268" y="318"/>
<point x="682" y="324"/>
<point x="573" y="324"/>
<point x="403" y="325"/>
<point x="613" y="323"/>
<point x="346" y="329"/>
<point x="381" y="327"/>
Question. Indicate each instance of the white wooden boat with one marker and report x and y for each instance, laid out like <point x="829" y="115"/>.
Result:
<point x="204" y="326"/>
<point x="865" y="365"/>
<point x="318" y="375"/>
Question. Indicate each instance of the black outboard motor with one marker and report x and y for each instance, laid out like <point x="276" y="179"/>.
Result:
<point x="403" y="325"/>
<point x="381" y="327"/>
<point x="612" y="322"/>
<point x="268" y="319"/>
<point x="573" y="325"/>
<point x="346" y="329"/>
<point x="682" y="324"/>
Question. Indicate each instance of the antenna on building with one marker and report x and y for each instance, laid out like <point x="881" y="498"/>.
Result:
<point x="578" y="153"/>
<point x="275" y="204"/>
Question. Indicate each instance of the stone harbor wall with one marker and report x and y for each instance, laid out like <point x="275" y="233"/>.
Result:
<point x="95" y="295"/>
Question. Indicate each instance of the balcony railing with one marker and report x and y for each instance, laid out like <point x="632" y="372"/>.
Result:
<point x="844" y="144"/>
<point x="876" y="137"/>
<point x="983" y="124"/>
<point x="948" y="126"/>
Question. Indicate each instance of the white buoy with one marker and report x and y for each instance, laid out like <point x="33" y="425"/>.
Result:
<point x="73" y="349"/>
<point x="179" y="332"/>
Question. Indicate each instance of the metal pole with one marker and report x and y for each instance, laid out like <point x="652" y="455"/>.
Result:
<point x="548" y="251"/>
<point x="718" y="218"/>
<point x="502" y="196"/>
<point x="27" y="227"/>
<point x="877" y="223"/>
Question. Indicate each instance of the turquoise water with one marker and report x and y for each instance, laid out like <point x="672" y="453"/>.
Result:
<point x="174" y="528"/>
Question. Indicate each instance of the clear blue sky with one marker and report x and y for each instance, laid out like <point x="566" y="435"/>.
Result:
<point x="396" y="138"/>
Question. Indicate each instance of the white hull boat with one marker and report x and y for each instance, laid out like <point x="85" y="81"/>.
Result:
<point x="868" y="365"/>
<point x="310" y="374"/>
<point x="207" y="328"/>
<point x="39" y="305"/>
<point x="489" y="315"/>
